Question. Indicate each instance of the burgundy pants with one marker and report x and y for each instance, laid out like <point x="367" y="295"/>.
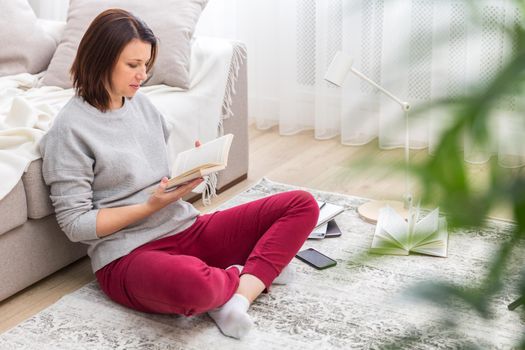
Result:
<point x="185" y="273"/>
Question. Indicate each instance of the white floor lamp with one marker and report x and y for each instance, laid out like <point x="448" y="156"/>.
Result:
<point x="336" y="74"/>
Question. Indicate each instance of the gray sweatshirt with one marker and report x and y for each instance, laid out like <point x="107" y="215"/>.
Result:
<point x="94" y="160"/>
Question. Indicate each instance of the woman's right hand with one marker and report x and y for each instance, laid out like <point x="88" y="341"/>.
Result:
<point x="111" y="220"/>
<point x="159" y="199"/>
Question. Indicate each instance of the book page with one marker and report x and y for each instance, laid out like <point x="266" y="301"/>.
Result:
<point x="391" y="233"/>
<point x="211" y="153"/>
<point x="425" y="227"/>
<point x="435" y="244"/>
<point x="394" y="225"/>
<point x="383" y="243"/>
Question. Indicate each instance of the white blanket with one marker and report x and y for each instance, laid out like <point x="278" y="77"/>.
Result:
<point x="27" y="111"/>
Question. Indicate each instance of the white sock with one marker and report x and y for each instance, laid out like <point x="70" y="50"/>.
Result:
<point x="232" y="318"/>
<point x="238" y="267"/>
<point x="286" y="276"/>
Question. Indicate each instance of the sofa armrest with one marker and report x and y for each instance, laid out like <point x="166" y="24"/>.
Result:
<point x="237" y="124"/>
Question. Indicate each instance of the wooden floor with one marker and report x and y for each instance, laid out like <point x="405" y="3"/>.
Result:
<point x="300" y="160"/>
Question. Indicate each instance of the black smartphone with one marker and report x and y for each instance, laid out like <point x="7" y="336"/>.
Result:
<point x="313" y="258"/>
<point x="332" y="230"/>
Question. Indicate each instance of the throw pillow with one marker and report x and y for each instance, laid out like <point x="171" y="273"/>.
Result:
<point x="25" y="47"/>
<point x="172" y="21"/>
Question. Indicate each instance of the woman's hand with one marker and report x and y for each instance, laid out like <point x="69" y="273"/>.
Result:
<point x="111" y="220"/>
<point x="159" y="199"/>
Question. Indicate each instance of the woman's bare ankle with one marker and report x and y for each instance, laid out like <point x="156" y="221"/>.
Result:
<point x="250" y="287"/>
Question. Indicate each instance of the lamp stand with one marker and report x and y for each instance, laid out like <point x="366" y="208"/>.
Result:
<point x="337" y="71"/>
<point x="370" y="210"/>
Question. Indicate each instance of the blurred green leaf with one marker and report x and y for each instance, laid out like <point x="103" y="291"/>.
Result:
<point x="445" y="180"/>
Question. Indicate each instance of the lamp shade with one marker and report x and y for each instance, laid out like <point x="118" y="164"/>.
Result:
<point x="338" y="69"/>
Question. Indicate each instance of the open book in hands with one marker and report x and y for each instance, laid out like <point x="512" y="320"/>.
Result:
<point x="200" y="161"/>
<point x="396" y="236"/>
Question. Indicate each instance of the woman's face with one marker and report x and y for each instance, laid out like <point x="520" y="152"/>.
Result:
<point x="129" y="71"/>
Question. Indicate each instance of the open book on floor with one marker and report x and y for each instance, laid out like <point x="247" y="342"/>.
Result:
<point x="197" y="162"/>
<point x="394" y="235"/>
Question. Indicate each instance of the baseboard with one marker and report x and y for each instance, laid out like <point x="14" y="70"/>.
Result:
<point x="193" y="197"/>
<point x="232" y="183"/>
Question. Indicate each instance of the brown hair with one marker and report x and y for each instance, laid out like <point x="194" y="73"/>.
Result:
<point x="100" y="49"/>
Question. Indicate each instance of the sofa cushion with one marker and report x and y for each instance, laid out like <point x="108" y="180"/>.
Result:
<point x="26" y="48"/>
<point x="53" y="28"/>
<point x="172" y="21"/>
<point x="37" y="192"/>
<point x="13" y="209"/>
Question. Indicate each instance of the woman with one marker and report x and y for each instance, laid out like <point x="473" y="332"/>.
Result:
<point x="154" y="252"/>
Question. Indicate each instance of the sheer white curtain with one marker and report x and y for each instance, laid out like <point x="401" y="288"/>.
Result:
<point x="419" y="49"/>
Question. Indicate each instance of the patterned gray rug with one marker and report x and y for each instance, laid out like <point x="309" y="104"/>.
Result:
<point x="359" y="304"/>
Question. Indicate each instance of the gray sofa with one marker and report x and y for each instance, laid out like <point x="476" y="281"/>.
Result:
<point x="32" y="246"/>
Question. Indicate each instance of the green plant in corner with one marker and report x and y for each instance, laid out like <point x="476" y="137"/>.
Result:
<point x="445" y="180"/>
